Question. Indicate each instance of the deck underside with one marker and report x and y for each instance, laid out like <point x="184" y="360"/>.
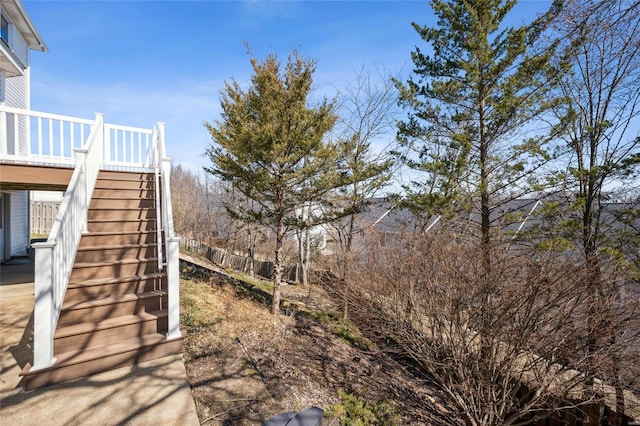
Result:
<point x="23" y="177"/>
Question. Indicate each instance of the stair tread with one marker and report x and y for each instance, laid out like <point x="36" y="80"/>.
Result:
<point x="112" y="300"/>
<point x="122" y="320"/>
<point x="101" y="233"/>
<point x="135" y="177"/>
<point x="121" y="220"/>
<point x="125" y="261"/>
<point x="117" y="246"/>
<point x="128" y="189"/>
<point x="120" y="208"/>
<point x="103" y="351"/>
<point x="126" y="278"/>
<point x="123" y="198"/>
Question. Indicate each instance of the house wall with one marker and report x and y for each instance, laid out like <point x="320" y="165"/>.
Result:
<point x="15" y="92"/>
<point x="17" y="89"/>
<point x="19" y="208"/>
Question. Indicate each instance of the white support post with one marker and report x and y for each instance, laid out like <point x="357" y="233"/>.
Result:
<point x="4" y="140"/>
<point x="173" y="282"/>
<point x="160" y="125"/>
<point x="43" y="310"/>
<point x="81" y="158"/>
<point x="167" y="213"/>
<point x="101" y="138"/>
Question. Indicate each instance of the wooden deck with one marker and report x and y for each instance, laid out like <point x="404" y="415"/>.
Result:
<point x="31" y="177"/>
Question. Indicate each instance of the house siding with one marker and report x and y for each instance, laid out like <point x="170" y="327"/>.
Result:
<point x="17" y="89"/>
<point x="19" y="45"/>
<point x="19" y="207"/>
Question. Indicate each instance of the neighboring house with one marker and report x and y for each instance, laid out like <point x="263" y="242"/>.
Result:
<point x="106" y="279"/>
<point x="18" y="37"/>
<point x="519" y="217"/>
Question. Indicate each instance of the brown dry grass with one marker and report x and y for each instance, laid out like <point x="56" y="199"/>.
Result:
<point x="304" y="361"/>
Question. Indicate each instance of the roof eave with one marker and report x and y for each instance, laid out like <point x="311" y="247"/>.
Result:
<point x="35" y="41"/>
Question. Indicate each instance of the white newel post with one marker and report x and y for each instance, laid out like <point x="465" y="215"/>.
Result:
<point x="173" y="280"/>
<point x="43" y="310"/>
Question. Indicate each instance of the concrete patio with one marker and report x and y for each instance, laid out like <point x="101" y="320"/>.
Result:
<point x="153" y="392"/>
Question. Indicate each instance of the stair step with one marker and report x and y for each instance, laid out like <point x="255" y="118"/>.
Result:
<point x="109" y="307"/>
<point x="124" y="193"/>
<point x="122" y="203"/>
<point x="113" y="287"/>
<point x="93" y="239"/>
<point x="125" y="176"/>
<point x="103" y="281"/>
<point x="115" y="252"/>
<point x="114" y="268"/>
<point x="92" y="360"/>
<point x="111" y="213"/>
<point x="75" y="337"/>
<point x="125" y="184"/>
<point x="104" y="225"/>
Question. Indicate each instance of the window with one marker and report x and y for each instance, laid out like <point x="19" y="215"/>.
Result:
<point x="4" y="29"/>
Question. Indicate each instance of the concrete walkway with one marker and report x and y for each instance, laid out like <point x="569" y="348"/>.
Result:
<point x="155" y="392"/>
<point x="152" y="393"/>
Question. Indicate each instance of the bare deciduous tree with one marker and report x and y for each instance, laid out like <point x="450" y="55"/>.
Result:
<point x="513" y="356"/>
<point x="367" y="120"/>
<point x="198" y="210"/>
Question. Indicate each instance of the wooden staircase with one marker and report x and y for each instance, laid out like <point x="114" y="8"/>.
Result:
<point x="115" y="308"/>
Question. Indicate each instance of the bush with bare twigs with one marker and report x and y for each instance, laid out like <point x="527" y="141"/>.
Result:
<point x="506" y="348"/>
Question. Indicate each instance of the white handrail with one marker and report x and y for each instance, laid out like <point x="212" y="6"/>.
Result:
<point x="55" y="258"/>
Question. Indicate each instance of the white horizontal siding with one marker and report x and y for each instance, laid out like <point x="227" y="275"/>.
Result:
<point x="19" y="217"/>
<point x="17" y="96"/>
<point x="19" y="45"/>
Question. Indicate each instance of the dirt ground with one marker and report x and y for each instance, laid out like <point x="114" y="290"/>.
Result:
<point x="245" y="365"/>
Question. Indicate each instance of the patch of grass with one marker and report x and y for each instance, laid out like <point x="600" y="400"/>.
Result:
<point x="353" y="410"/>
<point x="345" y="330"/>
<point x="256" y="282"/>
<point x="199" y="305"/>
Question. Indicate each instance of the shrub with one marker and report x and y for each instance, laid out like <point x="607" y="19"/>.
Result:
<point x="353" y="410"/>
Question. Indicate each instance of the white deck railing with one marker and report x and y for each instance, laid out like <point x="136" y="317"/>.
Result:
<point x="128" y="148"/>
<point x="41" y="138"/>
<point x="38" y="138"/>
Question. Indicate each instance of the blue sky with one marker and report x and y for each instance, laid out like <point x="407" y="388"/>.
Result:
<point x="140" y="62"/>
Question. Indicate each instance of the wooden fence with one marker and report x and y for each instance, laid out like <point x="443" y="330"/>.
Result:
<point x="224" y="259"/>
<point x="42" y="215"/>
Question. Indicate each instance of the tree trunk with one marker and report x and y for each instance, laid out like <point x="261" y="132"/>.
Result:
<point x="485" y="242"/>
<point x="305" y="263"/>
<point x="277" y="268"/>
<point x="251" y="251"/>
<point x="344" y="266"/>
<point x="303" y="255"/>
